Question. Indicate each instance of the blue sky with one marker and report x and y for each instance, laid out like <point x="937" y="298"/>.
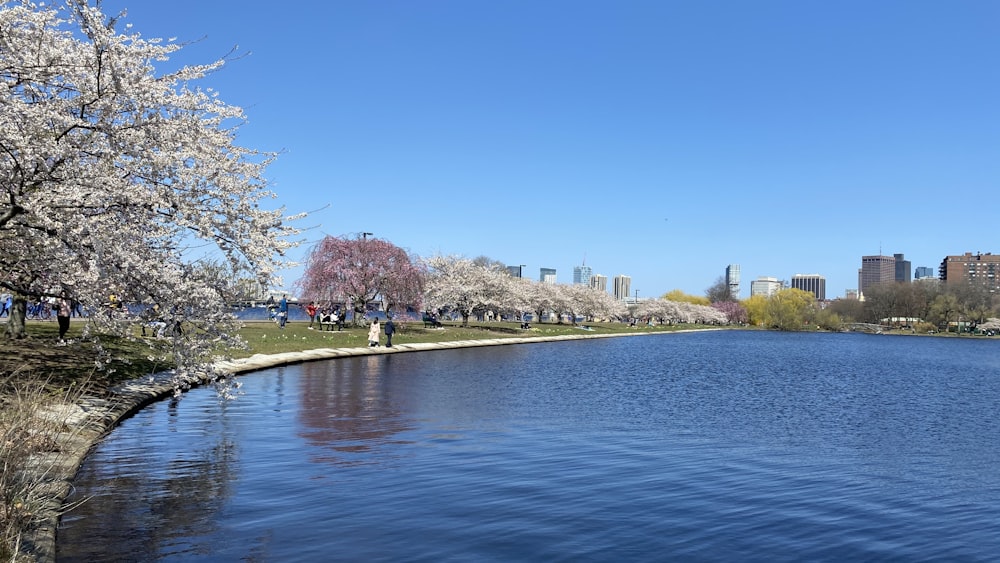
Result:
<point x="662" y="140"/>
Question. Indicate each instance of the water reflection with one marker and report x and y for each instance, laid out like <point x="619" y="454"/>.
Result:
<point x="347" y="409"/>
<point x="170" y="496"/>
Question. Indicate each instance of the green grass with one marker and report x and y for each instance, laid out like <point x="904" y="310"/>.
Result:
<point x="264" y="337"/>
<point x="64" y="367"/>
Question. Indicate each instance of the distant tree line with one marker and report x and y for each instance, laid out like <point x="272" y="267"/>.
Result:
<point x="923" y="306"/>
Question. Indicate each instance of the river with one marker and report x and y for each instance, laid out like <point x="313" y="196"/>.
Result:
<point x="726" y="445"/>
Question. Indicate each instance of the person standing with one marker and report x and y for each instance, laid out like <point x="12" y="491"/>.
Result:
<point x="373" y="336"/>
<point x="282" y="311"/>
<point x="311" y="311"/>
<point x="63" y="311"/>
<point x="390" y="328"/>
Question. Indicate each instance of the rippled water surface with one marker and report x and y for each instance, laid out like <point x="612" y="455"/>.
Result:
<point x="699" y="446"/>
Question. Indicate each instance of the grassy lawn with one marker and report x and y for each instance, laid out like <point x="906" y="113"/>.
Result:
<point x="38" y="356"/>
<point x="265" y="338"/>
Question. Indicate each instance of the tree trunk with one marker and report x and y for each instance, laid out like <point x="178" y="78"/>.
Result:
<point x="16" y="316"/>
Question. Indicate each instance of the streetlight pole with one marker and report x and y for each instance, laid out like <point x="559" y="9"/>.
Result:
<point x="366" y="235"/>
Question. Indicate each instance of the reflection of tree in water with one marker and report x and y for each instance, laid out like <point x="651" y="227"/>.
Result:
<point x="346" y="409"/>
<point x="148" y="512"/>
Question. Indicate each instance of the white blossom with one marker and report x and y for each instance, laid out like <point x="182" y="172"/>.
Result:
<point x="110" y="174"/>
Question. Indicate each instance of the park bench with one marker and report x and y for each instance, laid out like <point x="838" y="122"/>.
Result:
<point x="431" y="322"/>
<point x="325" y="323"/>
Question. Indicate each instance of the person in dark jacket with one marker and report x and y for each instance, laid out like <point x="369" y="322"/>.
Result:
<point x="390" y="328"/>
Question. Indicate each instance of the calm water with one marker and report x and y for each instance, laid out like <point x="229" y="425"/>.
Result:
<point x="701" y="446"/>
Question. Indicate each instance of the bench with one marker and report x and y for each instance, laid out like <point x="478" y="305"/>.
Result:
<point x="328" y="324"/>
<point x="431" y="322"/>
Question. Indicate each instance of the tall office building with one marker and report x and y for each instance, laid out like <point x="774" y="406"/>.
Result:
<point x="764" y="285"/>
<point x="733" y="280"/>
<point x="623" y="285"/>
<point x="813" y="283"/>
<point x="902" y="269"/>
<point x="581" y="275"/>
<point x="515" y="271"/>
<point x="875" y="270"/>
<point x="923" y="273"/>
<point x="547" y="275"/>
<point x="597" y="281"/>
<point x="980" y="269"/>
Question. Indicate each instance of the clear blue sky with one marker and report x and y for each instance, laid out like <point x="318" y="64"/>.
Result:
<point x="659" y="139"/>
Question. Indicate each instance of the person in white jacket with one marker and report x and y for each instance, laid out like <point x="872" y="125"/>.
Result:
<point x="373" y="334"/>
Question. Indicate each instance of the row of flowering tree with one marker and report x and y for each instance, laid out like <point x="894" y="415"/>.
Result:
<point x="666" y="311"/>
<point x="460" y="285"/>
<point x="361" y="271"/>
<point x="467" y="288"/>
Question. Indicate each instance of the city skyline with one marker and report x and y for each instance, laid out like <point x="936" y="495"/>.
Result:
<point x="666" y="155"/>
<point x="896" y="266"/>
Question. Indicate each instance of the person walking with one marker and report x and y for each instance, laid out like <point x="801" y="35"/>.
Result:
<point x="373" y="335"/>
<point x="63" y="311"/>
<point x="390" y="328"/>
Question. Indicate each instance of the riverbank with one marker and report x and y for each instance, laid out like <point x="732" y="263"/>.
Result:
<point x="79" y="423"/>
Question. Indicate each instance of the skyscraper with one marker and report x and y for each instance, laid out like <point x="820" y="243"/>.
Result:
<point x="623" y="285"/>
<point x="733" y="280"/>
<point x="813" y="283"/>
<point x="581" y="275"/>
<point x="875" y="270"/>
<point x="547" y="275"/>
<point x="597" y="281"/>
<point x="902" y="269"/>
<point x="923" y="272"/>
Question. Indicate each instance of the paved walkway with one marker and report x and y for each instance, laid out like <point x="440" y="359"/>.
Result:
<point x="91" y="418"/>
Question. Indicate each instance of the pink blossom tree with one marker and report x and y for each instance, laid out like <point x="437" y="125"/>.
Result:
<point x="734" y="311"/>
<point x="360" y="271"/>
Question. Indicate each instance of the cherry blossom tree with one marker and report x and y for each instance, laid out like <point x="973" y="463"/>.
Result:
<point x="735" y="313"/>
<point x="111" y="174"/>
<point x="543" y="298"/>
<point x="675" y="312"/>
<point x="578" y="300"/>
<point x="459" y="284"/>
<point x="360" y="271"/>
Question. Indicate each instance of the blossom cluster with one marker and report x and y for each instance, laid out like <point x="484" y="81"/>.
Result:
<point x="112" y="176"/>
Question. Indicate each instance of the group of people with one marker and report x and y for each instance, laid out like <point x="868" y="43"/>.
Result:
<point x="333" y="316"/>
<point x="327" y="316"/>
